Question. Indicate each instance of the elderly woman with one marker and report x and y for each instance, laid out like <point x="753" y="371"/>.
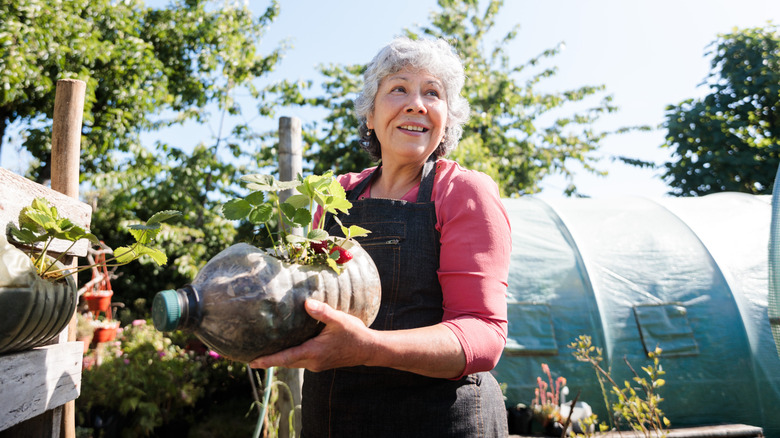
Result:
<point x="440" y="239"/>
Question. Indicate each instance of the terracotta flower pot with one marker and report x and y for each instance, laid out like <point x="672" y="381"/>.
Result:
<point x="104" y="334"/>
<point x="98" y="301"/>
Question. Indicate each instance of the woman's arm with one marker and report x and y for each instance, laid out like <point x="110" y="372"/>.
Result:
<point x="345" y="341"/>
<point x="474" y="262"/>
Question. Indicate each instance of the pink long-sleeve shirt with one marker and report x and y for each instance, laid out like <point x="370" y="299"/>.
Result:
<point x="474" y="261"/>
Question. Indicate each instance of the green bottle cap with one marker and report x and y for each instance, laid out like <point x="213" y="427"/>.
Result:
<point x="166" y="310"/>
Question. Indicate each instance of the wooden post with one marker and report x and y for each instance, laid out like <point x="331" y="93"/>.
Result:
<point x="66" y="136"/>
<point x="290" y="165"/>
<point x="290" y="151"/>
<point x="65" y="162"/>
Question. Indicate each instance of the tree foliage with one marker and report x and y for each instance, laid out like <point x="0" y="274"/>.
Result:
<point x="145" y="69"/>
<point x="728" y="140"/>
<point x="516" y="133"/>
<point x="137" y="62"/>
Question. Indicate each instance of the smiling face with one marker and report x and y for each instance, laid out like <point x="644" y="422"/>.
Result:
<point x="409" y="116"/>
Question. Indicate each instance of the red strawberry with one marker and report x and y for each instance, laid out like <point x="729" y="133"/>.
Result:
<point x="320" y="246"/>
<point x="344" y="255"/>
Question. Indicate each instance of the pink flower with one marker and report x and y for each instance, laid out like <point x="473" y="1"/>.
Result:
<point x="138" y="322"/>
<point x="213" y="354"/>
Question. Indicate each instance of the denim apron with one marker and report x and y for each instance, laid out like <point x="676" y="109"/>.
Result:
<point x="384" y="402"/>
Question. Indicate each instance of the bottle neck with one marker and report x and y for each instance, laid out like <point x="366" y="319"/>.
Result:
<point x="189" y="301"/>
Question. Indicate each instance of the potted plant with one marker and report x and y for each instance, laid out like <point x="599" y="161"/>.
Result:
<point x="84" y="330"/>
<point x="104" y="330"/>
<point x="546" y="405"/>
<point x="268" y="287"/>
<point x="316" y="247"/>
<point x="37" y="292"/>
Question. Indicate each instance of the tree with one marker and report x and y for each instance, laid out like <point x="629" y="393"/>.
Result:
<point x="137" y="62"/>
<point x="505" y="137"/>
<point x="728" y="140"/>
<point x="145" y="69"/>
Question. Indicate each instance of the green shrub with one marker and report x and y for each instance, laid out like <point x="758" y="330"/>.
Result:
<point x="147" y="380"/>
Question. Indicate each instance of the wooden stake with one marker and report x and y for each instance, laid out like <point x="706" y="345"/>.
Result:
<point x="65" y="163"/>
<point x="66" y="136"/>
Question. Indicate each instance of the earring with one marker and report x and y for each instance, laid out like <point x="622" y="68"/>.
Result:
<point x="369" y="132"/>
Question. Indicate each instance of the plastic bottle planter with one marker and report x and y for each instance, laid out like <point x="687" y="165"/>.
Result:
<point x="245" y="303"/>
<point x="35" y="313"/>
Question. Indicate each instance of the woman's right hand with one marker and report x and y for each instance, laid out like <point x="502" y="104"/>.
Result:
<point x="345" y="341"/>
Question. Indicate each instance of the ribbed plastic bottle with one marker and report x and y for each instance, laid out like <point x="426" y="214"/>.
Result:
<point x="245" y="303"/>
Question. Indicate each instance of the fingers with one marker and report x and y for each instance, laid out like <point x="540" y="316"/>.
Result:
<point x="315" y="353"/>
<point x="319" y="310"/>
<point x="289" y="358"/>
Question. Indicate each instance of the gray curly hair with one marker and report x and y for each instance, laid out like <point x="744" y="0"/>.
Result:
<point x="435" y="57"/>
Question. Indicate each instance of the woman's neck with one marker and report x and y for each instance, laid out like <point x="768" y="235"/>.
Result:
<point x="393" y="182"/>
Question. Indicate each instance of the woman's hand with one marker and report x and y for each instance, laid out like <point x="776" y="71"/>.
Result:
<point x="345" y="341"/>
<point x="432" y="351"/>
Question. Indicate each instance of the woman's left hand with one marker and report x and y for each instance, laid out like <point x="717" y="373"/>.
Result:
<point x="345" y="341"/>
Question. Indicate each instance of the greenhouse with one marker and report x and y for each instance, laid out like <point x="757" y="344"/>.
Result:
<point x="688" y="275"/>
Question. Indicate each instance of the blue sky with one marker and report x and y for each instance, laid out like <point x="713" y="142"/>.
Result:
<point x="649" y="54"/>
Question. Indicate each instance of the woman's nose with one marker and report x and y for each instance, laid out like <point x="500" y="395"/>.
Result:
<point x="415" y="104"/>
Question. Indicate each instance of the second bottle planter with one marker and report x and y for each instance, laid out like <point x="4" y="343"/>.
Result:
<point x="245" y="303"/>
<point x="36" y="312"/>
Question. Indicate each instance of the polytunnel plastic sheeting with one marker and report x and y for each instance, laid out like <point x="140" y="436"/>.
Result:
<point x="686" y="274"/>
<point x="546" y="274"/>
<point x="737" y="241"/>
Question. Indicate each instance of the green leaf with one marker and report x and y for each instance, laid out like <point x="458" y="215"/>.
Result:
<point x="298" y="201"/>
<point x="72" y="233"/>
<point x="267" y="183"/>
<point x="162" y="216"/>
<point x="259" y="179"/>
<point x="236" y="209"/>
<point x="23" y="235"/>
<point x="261" y="214"/>
<point x="333" y="265"/>
<point x="255" y="198"/>
<point x="317" y="235"/>
<point x="143" y="234"/>
<point x="335" y="205"/>
<point x="41" y="219"/>
<point x="125" y="254"/>
<point x="296" y="239"/>
<point x="355" y="231"/>
<point x="302" y="217"/>
<point x="288" y="210"/>
<point x="92" y="238"/>
<point x="157" y="256"/>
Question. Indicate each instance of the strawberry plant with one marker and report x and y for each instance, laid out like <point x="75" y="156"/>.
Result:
<point x="40" y="224"/>
<point x="315" y="247"/>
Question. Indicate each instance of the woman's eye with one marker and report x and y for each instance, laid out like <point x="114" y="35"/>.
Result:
<point x="433" y="93"/>
<point x="399" y="89"/>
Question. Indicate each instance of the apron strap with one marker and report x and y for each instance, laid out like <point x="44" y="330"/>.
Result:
<point x="361" y="187"/>
<point x="427" y="179"/>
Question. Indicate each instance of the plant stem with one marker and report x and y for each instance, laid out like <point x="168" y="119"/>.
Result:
<point x="59" y="257"/>
<point x="269" y="377"/>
